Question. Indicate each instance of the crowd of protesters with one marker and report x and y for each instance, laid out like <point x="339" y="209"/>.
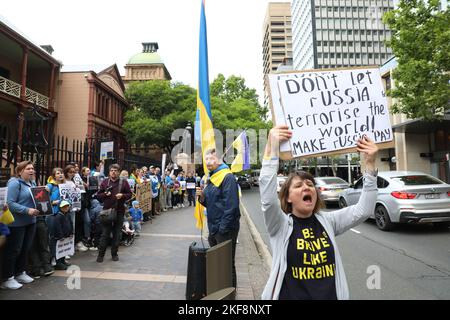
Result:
<point x="28" y="245"/>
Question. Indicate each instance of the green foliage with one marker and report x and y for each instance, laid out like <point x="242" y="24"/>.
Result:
<point x="421" y="44"/>
<point x="234" y="88"/>
<point x="160" y="107"/>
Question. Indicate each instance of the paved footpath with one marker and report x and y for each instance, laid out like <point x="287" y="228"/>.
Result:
<point x="153" y="268"/>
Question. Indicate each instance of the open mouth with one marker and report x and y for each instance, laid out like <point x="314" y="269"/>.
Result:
<point x="307" y="198"/>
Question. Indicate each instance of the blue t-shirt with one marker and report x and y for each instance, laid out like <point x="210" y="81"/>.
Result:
<point x="136" y="214"/>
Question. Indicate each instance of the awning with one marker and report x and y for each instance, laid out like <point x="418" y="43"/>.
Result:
<point x="422" y="126"/>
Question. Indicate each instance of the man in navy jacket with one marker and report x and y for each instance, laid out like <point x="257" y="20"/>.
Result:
<point x="221" y="199"/>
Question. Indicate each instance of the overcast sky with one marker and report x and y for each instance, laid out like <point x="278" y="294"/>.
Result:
<point x="92" y="32"/>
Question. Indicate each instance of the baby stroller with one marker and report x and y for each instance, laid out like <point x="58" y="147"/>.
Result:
<point x="128" y="234"/>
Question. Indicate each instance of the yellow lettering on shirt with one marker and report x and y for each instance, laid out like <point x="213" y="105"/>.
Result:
<point x="308" y="233"/>
<point x="310" y="273"/>
<point x="324" y="242"/>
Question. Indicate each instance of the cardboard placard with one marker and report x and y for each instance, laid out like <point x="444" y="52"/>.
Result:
<point x="144" y="195"/>
<point x="329" y="110"/>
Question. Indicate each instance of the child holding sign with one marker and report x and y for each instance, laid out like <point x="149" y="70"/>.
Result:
<point x="60" y="228"/>
<point x="306" y="261"/>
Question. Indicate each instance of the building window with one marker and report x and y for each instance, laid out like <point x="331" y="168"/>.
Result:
<point x="319" y="43"/>
<point x="350" y="43"/>
<point x="370" y="56"/>
<point x="368" y="32"/>
<point x="357" y="55"/>
<point x="363" y="43"/>
<point x="349" y="32"/>
<point x="362" y="32"/>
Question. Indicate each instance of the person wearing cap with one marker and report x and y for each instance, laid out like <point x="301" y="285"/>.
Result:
<point x="60" y="228"/>
<point x="136" y="216"/>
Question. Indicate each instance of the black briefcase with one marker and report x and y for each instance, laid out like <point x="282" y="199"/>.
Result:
<point x="196" y="272"/>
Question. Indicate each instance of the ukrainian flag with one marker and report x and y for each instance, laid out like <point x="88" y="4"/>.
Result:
<point x="204" y="134"/>
<point x="242" y="160"/>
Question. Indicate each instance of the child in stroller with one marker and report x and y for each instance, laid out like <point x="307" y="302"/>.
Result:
<point x="128" y="234"/>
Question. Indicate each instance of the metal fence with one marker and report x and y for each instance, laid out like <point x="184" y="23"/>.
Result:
<point x="57" y="151"/>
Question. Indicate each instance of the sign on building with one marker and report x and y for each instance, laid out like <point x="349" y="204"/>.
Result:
<point x="106" y="150"/>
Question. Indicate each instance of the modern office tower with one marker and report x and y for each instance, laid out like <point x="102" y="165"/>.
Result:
<point x="277" y="43"/>
<point x="337" y="33"/>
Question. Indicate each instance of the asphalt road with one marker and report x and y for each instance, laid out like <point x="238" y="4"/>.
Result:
<point x="413" y="261"/>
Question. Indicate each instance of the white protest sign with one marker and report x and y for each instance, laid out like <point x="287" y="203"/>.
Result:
<point x="330" y="110"/>
<point x="131" y="182"/>
<point x="65" y="247"/>
<point x="163" y="163"/>
<point x="190" y="185"/>
<point x="68" y="191"/>
<point x="79" y="182"/>
<point x="3" y="197"/>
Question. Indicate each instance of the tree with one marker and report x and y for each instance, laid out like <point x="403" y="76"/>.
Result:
<point x="234" y="88"/>
<point x="421" y="43"/>
<point x="158" y="108"/>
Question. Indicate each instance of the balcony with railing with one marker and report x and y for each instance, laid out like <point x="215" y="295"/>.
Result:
<point x="13" y="89"/>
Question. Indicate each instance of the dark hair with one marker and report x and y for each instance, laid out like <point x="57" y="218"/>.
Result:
<point x="114" y="166"/>
<point x="67" y="169"/>
<point x="284" y="191"/>
<point x="133" y="168"/>
<point x="21" y="166"/>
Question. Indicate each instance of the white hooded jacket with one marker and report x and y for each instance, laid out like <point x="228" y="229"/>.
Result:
<point x="280" y="226"/>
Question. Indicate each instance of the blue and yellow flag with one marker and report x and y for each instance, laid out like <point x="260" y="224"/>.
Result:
<point x="242" y="160"/>
<point x="204" y="133"/>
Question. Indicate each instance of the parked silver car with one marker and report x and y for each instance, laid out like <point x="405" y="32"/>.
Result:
<point x="405" y="197"/>
<point x="330" y="188"/>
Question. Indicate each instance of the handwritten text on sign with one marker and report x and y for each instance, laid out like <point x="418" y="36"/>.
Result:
<point x="65" y="247"/>
<point x="331" y="110"/>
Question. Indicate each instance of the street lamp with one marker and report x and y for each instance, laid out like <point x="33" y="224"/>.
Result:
<point x="188" y="142"/>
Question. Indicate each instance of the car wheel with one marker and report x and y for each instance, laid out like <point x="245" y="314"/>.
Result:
<point x="342" y="203"/>
<point x="382" y="219"/>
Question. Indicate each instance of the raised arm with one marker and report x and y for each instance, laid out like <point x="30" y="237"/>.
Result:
<point x="344" y="219"/>
<point x="273" y="215"/>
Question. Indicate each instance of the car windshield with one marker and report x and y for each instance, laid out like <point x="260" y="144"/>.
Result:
<point x="331" y="181"/>
<point x="416" y="180"/>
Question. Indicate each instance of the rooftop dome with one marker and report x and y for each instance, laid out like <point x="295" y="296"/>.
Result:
<point x="148" y="55"/>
